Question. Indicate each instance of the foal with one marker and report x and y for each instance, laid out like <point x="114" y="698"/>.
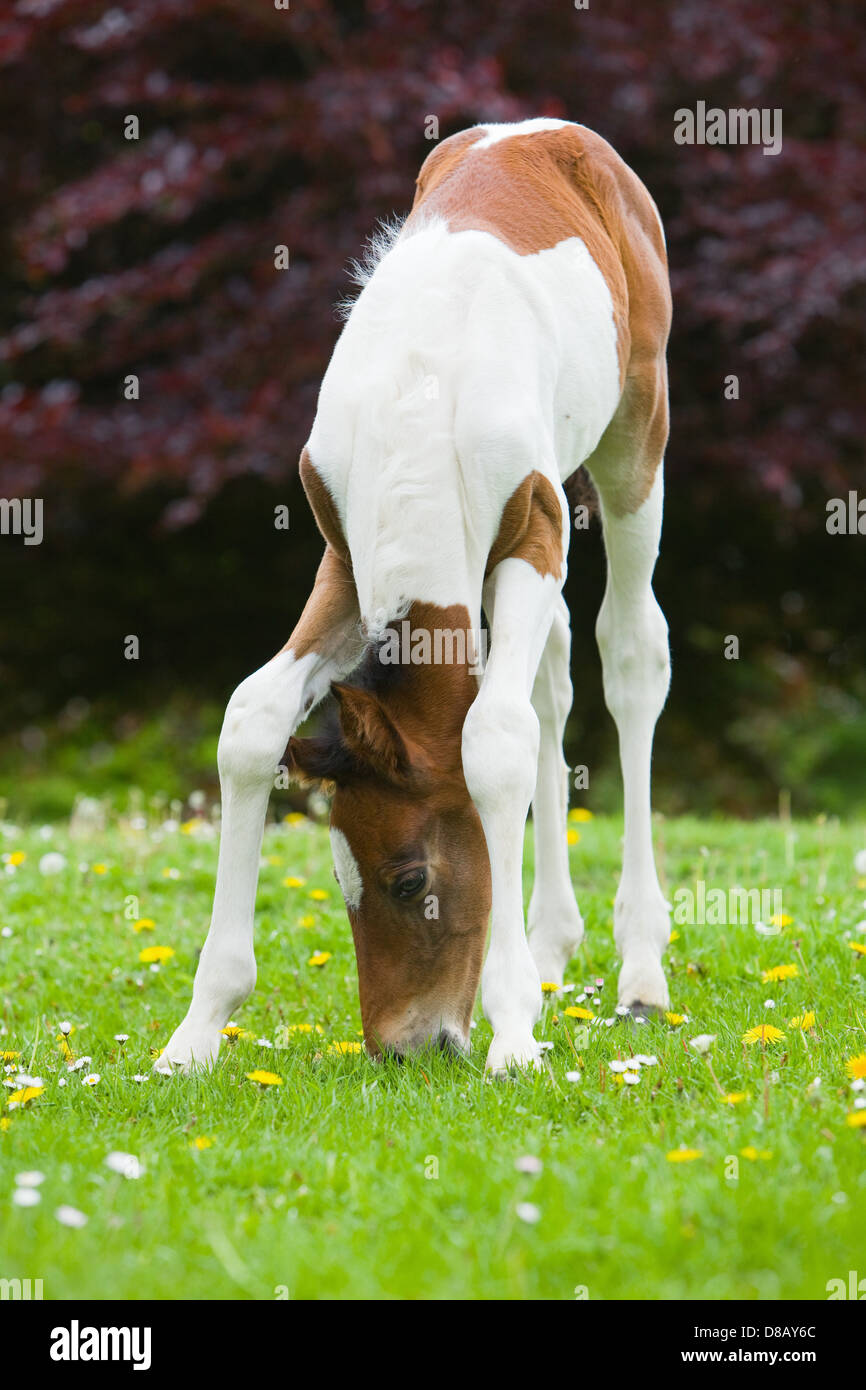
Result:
<point x="512" y="329"/>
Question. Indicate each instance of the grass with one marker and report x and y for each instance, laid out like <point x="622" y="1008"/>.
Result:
<point x="355" y="1180"/>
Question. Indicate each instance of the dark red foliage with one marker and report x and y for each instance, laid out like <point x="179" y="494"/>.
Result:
<point x="262" y="126"/>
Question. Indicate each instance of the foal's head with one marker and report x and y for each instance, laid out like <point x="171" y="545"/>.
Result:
<point x="409" y="851"/>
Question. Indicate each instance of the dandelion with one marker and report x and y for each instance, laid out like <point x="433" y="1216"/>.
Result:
<point x="735" y="1097"/>
<point x="781" y="919"/>
<point x="856" y="1066"/>
<point x="202" y="1141"/>
<point x="804" y="1021"/>
<point x="16" y="858"/>
<point x="293" y="881"/>
<point x="573" y="1076"/>
<point x="265" y="1078"/>
<point x="66" y="1028"/>
<point x="754" y="1154"/>
<point x="345" y="1047"/>
<point x="856" y="1119"/>
<point x="127" y="1165"/>
<point x="307" y="921"/>
<point x="5" y="1123"/>
<point x="319" y="895"/>
<point x="549" y="987"/>
<point x="703" y="1042"/>
<point x="233" y="1032"/>
<point x="575" y="1011"/>
<point x="144" y="924"/>
<point x="780" y="972"/>
<point x="9" y="1056"/>
<point x="294" y="818"/>
<point x="763" y="1033"/>
<point x="319" y="958"/>
<point x="71" y="1216"/>
<point x="572" y="837"/>
<point x="100" y="869"/>
<point x="153" y="954"/>
<point x="24" y="1096"/>
<point x="676" y="1019"/>
<point x="858" y="947"/>
<point x="674" y="936"/>
<point x="579" y="814"/>
<point x="683" y="1155"/>
<point x="52" y="863"/>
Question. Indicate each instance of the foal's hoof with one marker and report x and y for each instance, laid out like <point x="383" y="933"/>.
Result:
<point x="187" y="1051"/>
<point x="639" y="1012"/>
<point x="515" y="1051"/>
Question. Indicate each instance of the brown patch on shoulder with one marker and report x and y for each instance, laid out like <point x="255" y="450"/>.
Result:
<point x="530" y="528"/>
<point x="323" y="507"/>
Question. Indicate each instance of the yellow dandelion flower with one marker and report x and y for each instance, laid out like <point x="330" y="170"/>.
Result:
<point x="307" y="921"/>
<point x="674" y="936"/>
<point x="764" y="1033"/>
<point x="99" y="868"/>
<point x="804" y="1021"/>
<point x="294" y="818"/>
<point x="856" y="1119"/>
<point x="265" y="1078"/>
<point x="858" y="947"/>
<point x="233" y="1032"/>
<point x="735" y="1097"/>
<point x="781" y="919"/>
<point x="188" y="826"/>
<point x="27" y="1093"/>
<point x="779" y="972"/>
<point x="16" y="857"/>
<point x="754" y="1154"/>
<point x="856" y="1067"/>
<point x="345" y="1047"/>
<point x="293" y="881"/>
<point x="684" y="1155"/>
<point x="5" y="1123"/>
<point x="579" y="814"/>
<point x="319" y="895"/>
<point x="549" y="987"/>
<point x="144" y="924"/>
<point x="675" y="1019"/>
<point x="575" y="1011"/>
<point x="319" y="958"/>
<point x="9" y="1056"/>
<point x="299" y="1028"/>
<point x="202" y="1141"/>
<point x="572" y="837"/>
<point x="152" y="954"/>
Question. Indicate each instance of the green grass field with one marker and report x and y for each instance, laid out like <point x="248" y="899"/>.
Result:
<point x="357" y="1180"/>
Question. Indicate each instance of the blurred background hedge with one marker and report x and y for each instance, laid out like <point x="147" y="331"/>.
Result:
<point x="155" y="257"/>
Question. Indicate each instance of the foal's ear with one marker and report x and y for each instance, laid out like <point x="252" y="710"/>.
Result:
<point x="312" y="762"/>
<point x="370" y="733"/>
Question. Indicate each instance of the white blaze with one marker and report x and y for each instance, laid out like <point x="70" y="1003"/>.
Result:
<point x="348" y="873"/>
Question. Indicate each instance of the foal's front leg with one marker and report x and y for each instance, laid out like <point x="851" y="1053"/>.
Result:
<point x="500" y="758"/>
<point x="261" y="717"/>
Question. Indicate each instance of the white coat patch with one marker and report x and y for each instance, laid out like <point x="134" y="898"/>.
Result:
<point x="348" y="873"/>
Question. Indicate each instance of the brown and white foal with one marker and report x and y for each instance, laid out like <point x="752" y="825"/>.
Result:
<point x="513" y="329"/>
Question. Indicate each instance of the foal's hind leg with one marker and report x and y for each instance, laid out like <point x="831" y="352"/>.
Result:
<point x="555" y="923"/>
<point x="633" y="640"/>
<point x="262" y="715"/>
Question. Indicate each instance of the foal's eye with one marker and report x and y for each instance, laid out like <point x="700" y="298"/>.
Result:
<point x="409" y="884"/>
